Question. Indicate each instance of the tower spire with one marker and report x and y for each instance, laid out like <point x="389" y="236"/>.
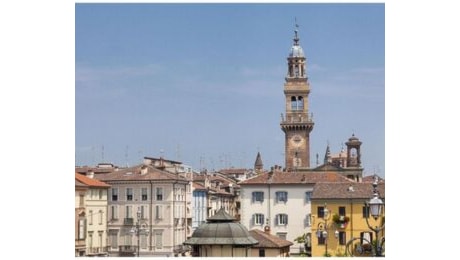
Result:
<point x="296" y="122"/>
<point x="296" y="37"/>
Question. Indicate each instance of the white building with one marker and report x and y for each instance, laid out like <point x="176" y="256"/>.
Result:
<point x="280" y="202"/>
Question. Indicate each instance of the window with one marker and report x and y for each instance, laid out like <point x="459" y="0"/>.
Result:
<point x="293" y="103"/>
<point x="101" y="217"/>
<point x="365" y="237"/>
<point x="129" y="194"/>
<point x="143" y="241"/>
<point x="114" y="240"/>
<point x="99" y="234"/>
<point x="281" y="219"/>
<point x="101" y="193"/>
<point x="129" y="211"/>
<point x="365" y="211"/>
<point x="297" y="103"/>
<point x="82" y="200"/>
<point x="114" y="194"/>
<point x="158" y="212"/>
<point x="159" y="193"/>
<point x="144" y="194"/>
<point x="262" y="252"/>
<point x="159" y="240"/>
<point x="321" y="212"/>
<point x="114" y="212"/>
<point x="308" y="196"/>
<point x="281" y="196"/>
<point x="321" y="237"/>
<point x="90" y="217"/>
<point x="342" y="238"/>
<point x="258" y="219"/>
<point x="143" y="212"/>
<point x="257" y="196"/>
<point x="300" y="103"/>
<point x="128" y="239"/>
<point x="282" y="235"/>
<point x="341" y="211"/>
<point x="81" y="229"/>
<point x="308" y="220"/>
<point x="90" y="234"/>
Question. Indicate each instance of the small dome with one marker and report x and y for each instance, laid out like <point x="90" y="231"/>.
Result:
<point x="353" y="138"/>
<point x="221" y="229"/>
<point x="296" y="51"/>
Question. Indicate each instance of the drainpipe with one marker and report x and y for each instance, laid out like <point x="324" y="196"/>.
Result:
<point x="151" y="214"/>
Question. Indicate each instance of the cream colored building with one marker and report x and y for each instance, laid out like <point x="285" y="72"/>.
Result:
<point x="95" y="205"/>
<point x="160" y="197"/>
<point x="80" y="218"/>
<point x="281" y="202"/>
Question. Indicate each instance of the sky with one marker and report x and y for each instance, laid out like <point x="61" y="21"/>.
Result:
<point x="42" y="56"/>
<point x="203" y="83"/>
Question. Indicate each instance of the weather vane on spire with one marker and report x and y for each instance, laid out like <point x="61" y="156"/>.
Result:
<point x="296" y="38"/>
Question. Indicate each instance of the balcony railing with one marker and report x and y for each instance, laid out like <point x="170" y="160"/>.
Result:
<point x="127" y="250"/>
<point x="97" y="251"/>
<point x="128" y="221"/>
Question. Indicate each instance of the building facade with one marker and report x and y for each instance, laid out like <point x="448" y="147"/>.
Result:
<point x="80" y="218"/>
<point x="158" y="197"/>
<point x="346" y="218"/>
<point x="281" y="202"/>
<point x="95" y="206"/>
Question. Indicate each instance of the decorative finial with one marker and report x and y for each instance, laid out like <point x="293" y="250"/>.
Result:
<point x="296" y="38"/>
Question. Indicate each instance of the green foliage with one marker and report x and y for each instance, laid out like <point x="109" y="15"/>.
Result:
<point x="340" y="253"/>
<point x="340" y="219"/>
<point x="302" y="239"/>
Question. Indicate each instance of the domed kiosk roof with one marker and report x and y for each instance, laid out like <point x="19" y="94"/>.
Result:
<point x="221" y="229"/>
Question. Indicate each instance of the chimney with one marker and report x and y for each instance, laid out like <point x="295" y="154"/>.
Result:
<point x="90" y="174"/>
<point x="267" y="229"/>
<point x="144" y="170"/>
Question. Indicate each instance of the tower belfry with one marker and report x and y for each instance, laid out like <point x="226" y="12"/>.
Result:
<point x="296" y="123"/>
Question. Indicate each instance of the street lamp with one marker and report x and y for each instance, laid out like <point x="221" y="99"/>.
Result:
<point x="322" y="228"/>
<point x="375" y="207"/>
<point x="136" y="230"/>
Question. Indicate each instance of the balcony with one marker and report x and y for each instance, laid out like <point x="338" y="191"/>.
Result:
<point x="97" y="251"/>
<point x="127" y="250"/>
<point x="128" y="221"/>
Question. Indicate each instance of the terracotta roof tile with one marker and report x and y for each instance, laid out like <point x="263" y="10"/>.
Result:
<point x="360" y="190"/>
<point x="139" y="172"/>
<point x="267" y="240"/>
<point x="233" y="171"/>
<point x="90" y="182"/>
<point x="79" y="184"/>
<point x="296" y="178"/>
<point x="370" y="178"/>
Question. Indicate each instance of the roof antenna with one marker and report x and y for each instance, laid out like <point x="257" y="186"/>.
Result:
<point x="102" y="153"/>
<point x="126" y="156"/>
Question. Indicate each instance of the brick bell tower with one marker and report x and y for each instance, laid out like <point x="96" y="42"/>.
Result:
<point x="296" y="123"/>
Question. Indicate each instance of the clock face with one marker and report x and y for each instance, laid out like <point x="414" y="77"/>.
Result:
<point x="297" y="140"/>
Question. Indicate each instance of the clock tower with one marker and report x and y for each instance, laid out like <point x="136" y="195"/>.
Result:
<point x="296" y="123"/>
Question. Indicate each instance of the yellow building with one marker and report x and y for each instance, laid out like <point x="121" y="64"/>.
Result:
<point x="345" y="217"/>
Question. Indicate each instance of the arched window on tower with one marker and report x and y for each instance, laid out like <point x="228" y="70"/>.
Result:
<point x="299" y="103"/>
<point x="297" y="71"/>
<point x="293" y="103"/>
